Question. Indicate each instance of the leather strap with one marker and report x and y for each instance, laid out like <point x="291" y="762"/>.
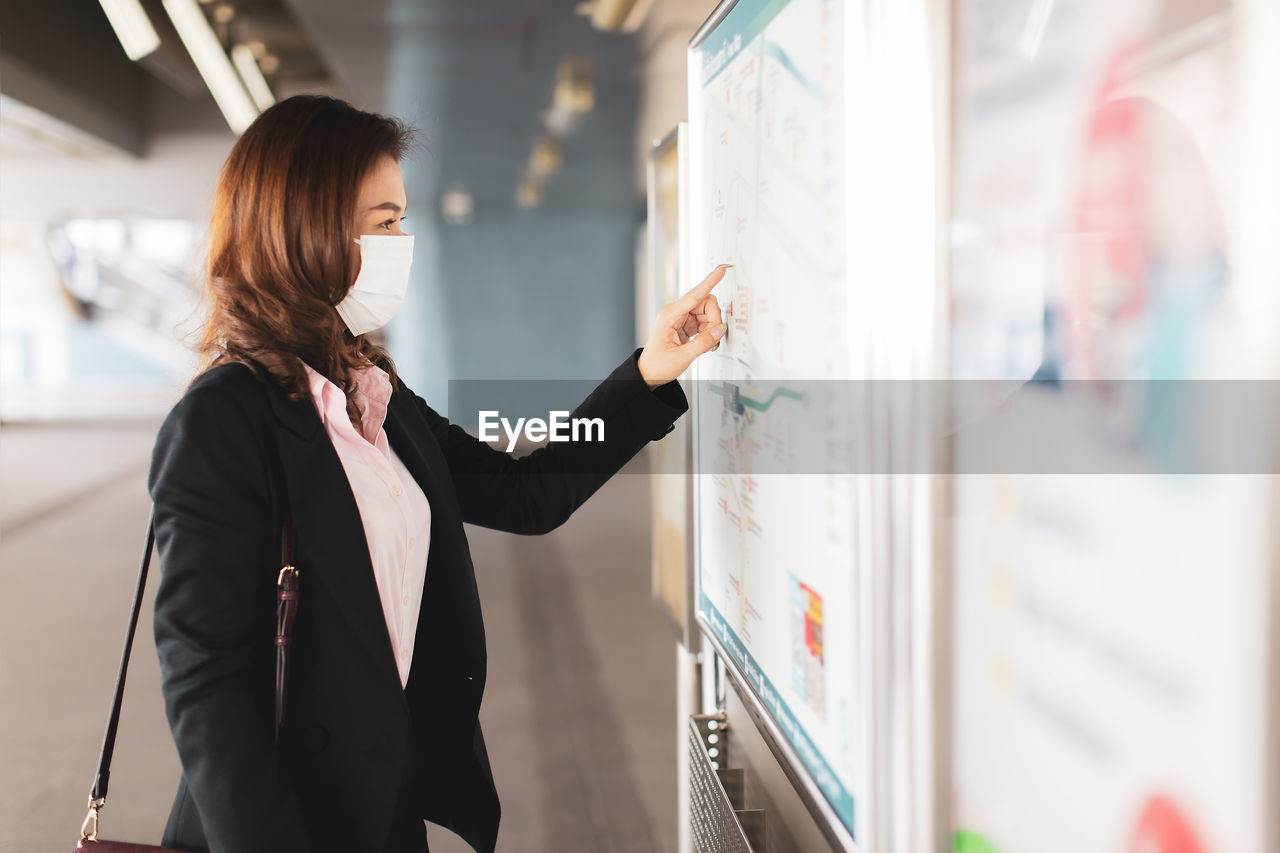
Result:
<point x="286" y="611"/>
<point x="99" y="790"/>
<point x="98" y="794"/>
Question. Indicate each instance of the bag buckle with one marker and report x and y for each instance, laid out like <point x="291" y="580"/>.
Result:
<point x="89" y="829"/>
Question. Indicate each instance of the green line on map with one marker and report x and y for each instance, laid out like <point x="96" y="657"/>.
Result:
<point x="752" y="403"/>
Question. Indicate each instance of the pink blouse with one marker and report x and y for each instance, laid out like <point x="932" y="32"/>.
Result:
<point x="393" y="509"/>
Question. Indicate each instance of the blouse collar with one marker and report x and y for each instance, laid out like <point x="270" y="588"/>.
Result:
<point x="372" y="394"/>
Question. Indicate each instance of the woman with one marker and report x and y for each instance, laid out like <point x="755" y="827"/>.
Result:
<point x="297" y="415"/>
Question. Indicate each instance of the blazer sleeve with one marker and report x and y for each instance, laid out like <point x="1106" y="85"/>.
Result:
<point x="538" y="492"/>
<point x="210" y="484"/>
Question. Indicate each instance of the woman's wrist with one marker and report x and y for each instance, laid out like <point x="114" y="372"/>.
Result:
<point x="646" y="373"/>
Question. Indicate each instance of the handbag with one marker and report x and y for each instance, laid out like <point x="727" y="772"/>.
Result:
<point x="286" y="612"/>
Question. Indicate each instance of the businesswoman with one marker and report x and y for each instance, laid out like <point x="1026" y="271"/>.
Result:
<point x="298" y="417"/>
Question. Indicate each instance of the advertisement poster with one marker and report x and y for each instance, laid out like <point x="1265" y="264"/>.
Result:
<point x="1110" y="647"/>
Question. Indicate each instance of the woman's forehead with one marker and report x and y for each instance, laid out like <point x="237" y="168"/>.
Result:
<point x="383" y="187"/>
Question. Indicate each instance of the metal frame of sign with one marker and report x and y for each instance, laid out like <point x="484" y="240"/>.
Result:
<point x="826" y="818"/>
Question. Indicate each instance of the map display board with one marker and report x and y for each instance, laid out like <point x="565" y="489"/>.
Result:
<point x="775" y="544"/>
<point x="1110" y="631"/>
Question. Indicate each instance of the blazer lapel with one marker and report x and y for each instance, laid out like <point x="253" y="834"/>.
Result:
<point x="327" y="520"/>
<point x="451" y="604"/>
<point x="428" y="469"/>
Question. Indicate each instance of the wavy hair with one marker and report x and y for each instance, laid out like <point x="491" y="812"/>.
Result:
<point x="281" y="253"/>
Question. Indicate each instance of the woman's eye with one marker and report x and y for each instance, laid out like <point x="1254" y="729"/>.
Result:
<point x="387" y="225"/>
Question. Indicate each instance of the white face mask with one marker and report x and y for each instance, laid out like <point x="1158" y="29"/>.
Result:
<point x="380" y="286"/>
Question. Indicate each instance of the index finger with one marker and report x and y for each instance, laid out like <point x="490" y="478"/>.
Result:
<point x="696" y="294"/>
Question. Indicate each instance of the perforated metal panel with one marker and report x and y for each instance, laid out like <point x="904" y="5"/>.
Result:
<point x="715" y="818"/>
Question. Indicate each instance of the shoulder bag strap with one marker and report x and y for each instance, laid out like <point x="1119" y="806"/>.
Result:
<point x="287" y="598"/>
<point x="286" y="611"/>
<point x="98" y="794"/>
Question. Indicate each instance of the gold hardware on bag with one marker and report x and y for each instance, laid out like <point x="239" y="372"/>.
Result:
<point x="87" y="834"/>
<point x="280" y="578"/>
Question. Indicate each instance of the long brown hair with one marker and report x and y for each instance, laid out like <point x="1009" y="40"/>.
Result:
<point x="281" y="253"/>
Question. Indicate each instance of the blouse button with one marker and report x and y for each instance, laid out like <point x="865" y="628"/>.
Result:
<point x="404" y="654"/>
<point x="412" y="541"/>
<point x="397" y="491"/>
<point x="406" y="600"/>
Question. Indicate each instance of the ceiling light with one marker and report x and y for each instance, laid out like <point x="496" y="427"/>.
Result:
<point x="529" y="192"/>
<point x="214" y="66"/>
<point x="132" y="26"/>
<point x="575" y="86"/>
<point x="635" y="18"/>
<point x="269" y="63"/>
<point x="560" y="122"/>
<point x="572" y="95"/>
<point x="251" y="74"/>
<point x="223" y="13"/>
<point x="457" y="206"/>
<point x="613" y="16"/>
<point x="546" y="158"/>
<point x="257" y="48"/>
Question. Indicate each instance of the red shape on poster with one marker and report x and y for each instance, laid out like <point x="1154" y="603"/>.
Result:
<point x="1164" y="829"/>
<point x="1110" y="217"/>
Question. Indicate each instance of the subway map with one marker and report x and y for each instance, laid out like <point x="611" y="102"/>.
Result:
<point x="775" y="524"/>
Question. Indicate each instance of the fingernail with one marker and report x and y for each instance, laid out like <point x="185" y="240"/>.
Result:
<point x="725" y="266"/>
<point x="718" y="331"/>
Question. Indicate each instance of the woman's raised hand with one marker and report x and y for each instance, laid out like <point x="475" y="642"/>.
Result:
<point x="685" y="329"/>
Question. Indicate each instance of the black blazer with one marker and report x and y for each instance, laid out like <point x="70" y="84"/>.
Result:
<point x="361" y="761"/>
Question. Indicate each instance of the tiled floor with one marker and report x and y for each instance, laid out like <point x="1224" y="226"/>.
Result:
<point x="579" y="713"/>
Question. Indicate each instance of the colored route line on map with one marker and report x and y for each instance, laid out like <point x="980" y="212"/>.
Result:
<point x="774" y="50"/>
<point x="752" y="403"/>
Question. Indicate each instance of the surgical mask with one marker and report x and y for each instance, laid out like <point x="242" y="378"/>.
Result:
<point x="380" y="285"/>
